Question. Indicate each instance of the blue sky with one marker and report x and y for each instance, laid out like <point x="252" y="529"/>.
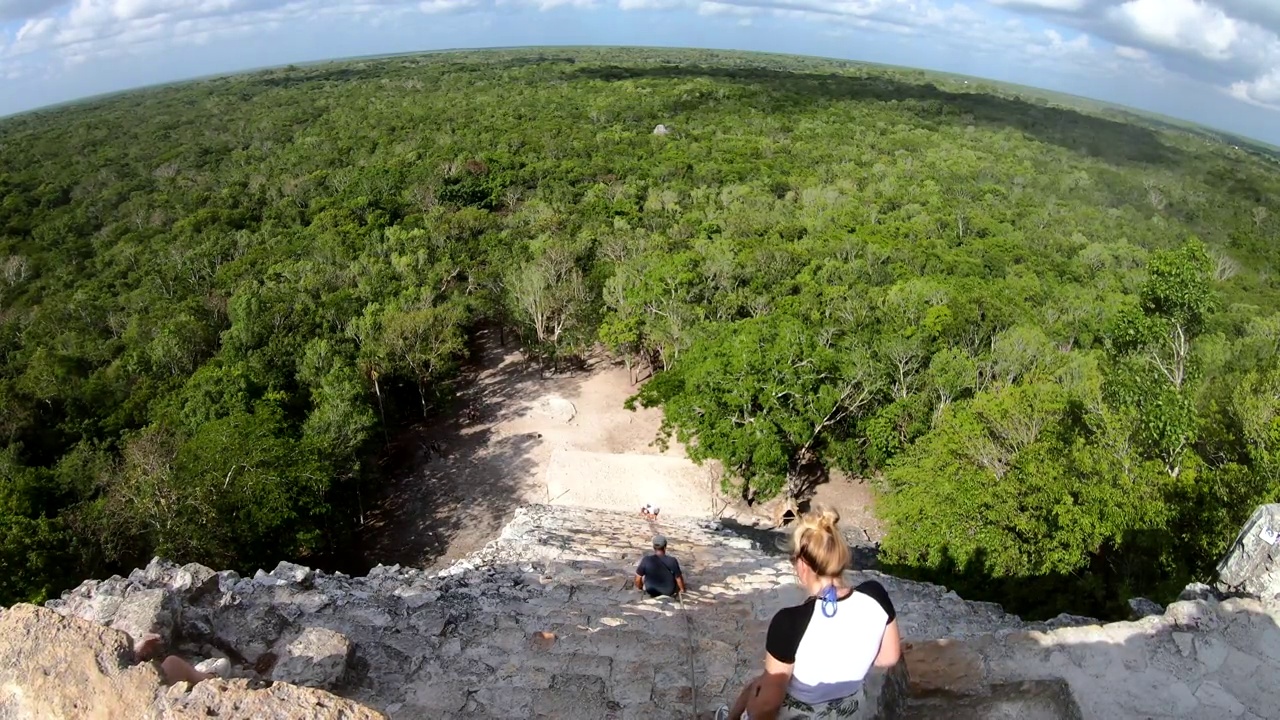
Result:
<point x="1212" y="61"/>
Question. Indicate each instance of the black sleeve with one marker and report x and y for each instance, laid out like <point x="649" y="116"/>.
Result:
<point x="877" y="591"/>
<point x="785" y="631"/>
<point x="640" y="568"/>
<point x="675" y="570"/>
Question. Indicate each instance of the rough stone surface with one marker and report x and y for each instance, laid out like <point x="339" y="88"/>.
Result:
<point x="316" y="657"/>
<point x="238" y="699"/>
<point x="54" y="667"/>
<point x="543" y="623"/>
<point x="1252" y="566"/>
<point x="58" y="667"/>
<point x="1142" y="607"/>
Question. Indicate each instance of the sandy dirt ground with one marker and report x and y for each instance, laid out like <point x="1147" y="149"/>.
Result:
<point x="609" y="481"/>
<point x="523" y="436"/>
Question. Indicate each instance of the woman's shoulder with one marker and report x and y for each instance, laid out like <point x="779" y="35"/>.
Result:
<point x="876" y="591"/>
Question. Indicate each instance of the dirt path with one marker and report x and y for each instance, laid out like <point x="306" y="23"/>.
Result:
<point x="455" y="484"/>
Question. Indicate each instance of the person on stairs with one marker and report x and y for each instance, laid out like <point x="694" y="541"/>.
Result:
<point x="820" y="654"/>
<point x="659" y="573"/>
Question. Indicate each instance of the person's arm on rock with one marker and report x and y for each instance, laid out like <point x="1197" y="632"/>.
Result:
<point x="173" y="669"/>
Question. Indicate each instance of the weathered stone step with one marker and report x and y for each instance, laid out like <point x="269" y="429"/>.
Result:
<point x="1031" y="700"/>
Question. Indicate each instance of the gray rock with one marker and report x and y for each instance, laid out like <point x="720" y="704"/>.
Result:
<point x="1142" y="607"/>
<point x="661" y="130"/>
<point x="317" y="657"/>
<point x="311" y="601"/>
<point x="264" y="579"/>
<point x="290" y="572"/>
<point x="1194" y="615"/>
<point x="1198" y="591"/>
<point x="194" y="582"/>
<point x="1252" y="565"/>
<point x="227" y="580"/>
<point x="1185" y="643"/>
<point x="248" y="629"/>
<point x="148" y="611"/>
<point x="415" y="597"/>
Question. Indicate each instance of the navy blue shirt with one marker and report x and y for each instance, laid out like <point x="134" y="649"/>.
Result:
<point x="659" y="573"/>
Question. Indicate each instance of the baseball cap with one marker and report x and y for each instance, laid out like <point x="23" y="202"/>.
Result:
<point x="659" y="541"/>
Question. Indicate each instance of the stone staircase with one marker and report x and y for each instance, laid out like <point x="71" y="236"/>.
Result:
<point x="573" y="639"/>
<point x="544" y="623"/>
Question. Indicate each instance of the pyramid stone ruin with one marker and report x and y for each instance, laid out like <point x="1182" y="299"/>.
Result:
<point x="544" y="623"/>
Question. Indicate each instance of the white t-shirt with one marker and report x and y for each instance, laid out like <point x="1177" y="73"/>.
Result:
<point x="831" y="655"/>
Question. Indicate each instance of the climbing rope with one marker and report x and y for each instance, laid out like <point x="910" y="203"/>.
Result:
<point x="688" y="626"/>
<point x="693" y="674"/>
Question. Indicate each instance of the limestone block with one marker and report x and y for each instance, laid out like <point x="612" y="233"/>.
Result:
<point x="54" y="667"/>
<point x="1219" y="701"/>
<point x="1211" y="651"/>
<point x="316" y="657"/>
<point x="248" y="628"/>
<point x="944" y="665"/>
<point x="1184" y="642"/>
<point x="1194" y="614"/>
<point x="147" y="611"/>
<point x="292" y="573"/>
<point x="193" y="582"/>
<point x="1252" y="565"/>
<point x="235" y="699"/>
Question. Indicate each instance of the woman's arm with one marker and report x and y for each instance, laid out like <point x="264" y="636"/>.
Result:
<point x="890" y="646"/>
<point x="763" y="697"/>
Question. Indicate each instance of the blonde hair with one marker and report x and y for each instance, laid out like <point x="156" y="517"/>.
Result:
<point x="817" y="540"/>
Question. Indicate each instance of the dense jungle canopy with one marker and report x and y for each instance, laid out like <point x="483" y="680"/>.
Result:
<point x="1048" y="333"/>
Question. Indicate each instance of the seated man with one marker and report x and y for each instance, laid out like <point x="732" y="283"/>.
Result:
<point x="650" y="511"/>
<point x="659" y="573"/>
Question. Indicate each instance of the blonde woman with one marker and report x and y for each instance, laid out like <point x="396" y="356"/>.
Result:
<point x="818" y="654"/>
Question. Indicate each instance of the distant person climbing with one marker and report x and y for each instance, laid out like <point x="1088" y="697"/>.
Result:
<point x="659" y="573"/>
<point x="650" y="511"/>
<point x="819" y="653"/>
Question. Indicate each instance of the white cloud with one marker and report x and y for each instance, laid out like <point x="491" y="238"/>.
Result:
<point x="1264" y="90"/>
<point x="724" y="8"/>
<point x="434" y="7"/>
<point x="1057" y="5"/>
<point x="1130" y="53"/>
<point x="22" y="9"/>
<point x="1233" y="45"/>
<point x="649" y="4"/>
<point x="35" y="29"/>
<point x="1182" y="25"/>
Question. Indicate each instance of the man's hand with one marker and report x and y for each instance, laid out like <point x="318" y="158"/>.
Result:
<point x="150" y="647"/>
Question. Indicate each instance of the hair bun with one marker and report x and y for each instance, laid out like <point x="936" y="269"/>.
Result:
<point x="828" y="518"/>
